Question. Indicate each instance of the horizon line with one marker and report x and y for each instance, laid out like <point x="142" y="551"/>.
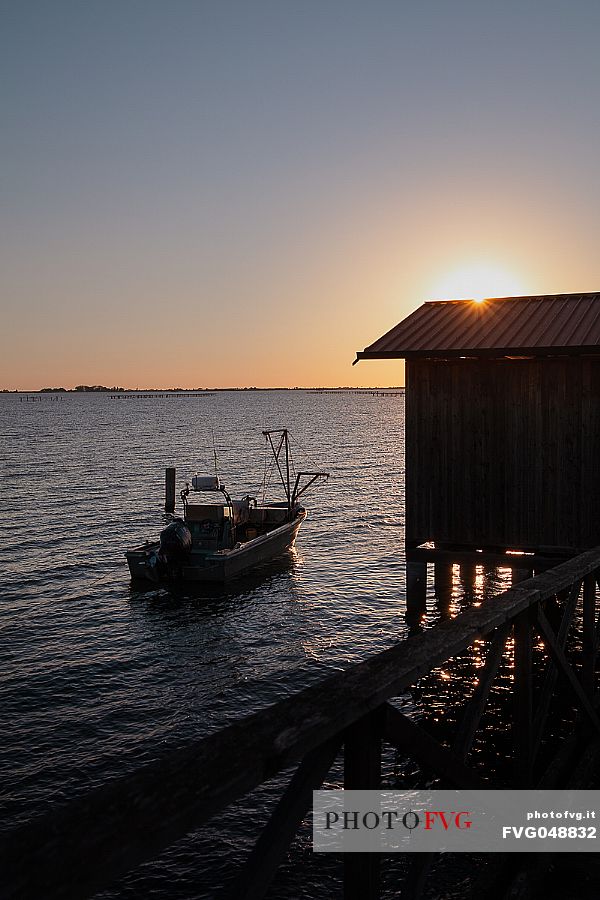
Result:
<point x="99" y="389"/>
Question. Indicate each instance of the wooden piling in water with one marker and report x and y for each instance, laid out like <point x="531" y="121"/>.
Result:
<point x="442" y="580"/>
<point x="170" y="490"/>
<point x="416" y="592"/>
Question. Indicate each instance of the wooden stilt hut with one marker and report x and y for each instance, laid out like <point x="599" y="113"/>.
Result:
<point x="502" y="424"/>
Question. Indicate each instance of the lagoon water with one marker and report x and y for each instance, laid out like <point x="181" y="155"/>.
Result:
<point x="99" y="677"/>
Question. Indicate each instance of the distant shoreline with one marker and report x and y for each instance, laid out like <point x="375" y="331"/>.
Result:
<point x="119" y="390"/>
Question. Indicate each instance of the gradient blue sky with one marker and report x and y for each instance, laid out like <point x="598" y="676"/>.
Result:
<point x="228" y="193"/>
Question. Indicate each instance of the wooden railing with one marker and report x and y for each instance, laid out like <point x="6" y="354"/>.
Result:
<point x="82" y="848"/>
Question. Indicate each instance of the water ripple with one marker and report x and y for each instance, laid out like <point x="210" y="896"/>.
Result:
<point x="98" y="676"/>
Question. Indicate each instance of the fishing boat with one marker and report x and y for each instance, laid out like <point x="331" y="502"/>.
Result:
<point x="218" y="541"/>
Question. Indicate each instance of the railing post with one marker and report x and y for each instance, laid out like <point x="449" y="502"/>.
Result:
<point x="362" y="771"/>
<point x="523" y="688"/>
<point x="589" y="636"/>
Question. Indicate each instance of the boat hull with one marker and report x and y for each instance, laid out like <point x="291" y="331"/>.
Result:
<point x="220" y="566"/>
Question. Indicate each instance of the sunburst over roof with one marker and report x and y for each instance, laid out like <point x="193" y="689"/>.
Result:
<point x="504" y="326"/>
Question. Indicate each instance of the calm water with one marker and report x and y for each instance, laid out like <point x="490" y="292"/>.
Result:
<point x="98" y="678"/>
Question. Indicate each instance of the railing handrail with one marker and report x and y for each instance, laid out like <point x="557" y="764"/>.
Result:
<point x="135" y="817"/>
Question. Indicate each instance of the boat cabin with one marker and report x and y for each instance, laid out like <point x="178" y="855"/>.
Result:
<point x="214" y="526"/>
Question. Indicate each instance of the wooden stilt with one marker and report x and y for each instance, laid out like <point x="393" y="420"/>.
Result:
<point x="442" y="577"/>
<point x="474" y="710"/>
<point x="401" y="732"/>
<point x="468" y="574"/>
<point x="418" y="870"/>
<point x="520" y="575"/>
<point x="549" y="638"/>
<point x="273" y="843"/>
<point x="362" y="771"/>
<point x="416" y="592"/>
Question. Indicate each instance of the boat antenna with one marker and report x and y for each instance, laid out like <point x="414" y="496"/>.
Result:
<point x="264" y="481"/>
<point x="215" y="453"/>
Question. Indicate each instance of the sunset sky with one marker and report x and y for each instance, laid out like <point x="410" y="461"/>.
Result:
<point x="246" y="193"/>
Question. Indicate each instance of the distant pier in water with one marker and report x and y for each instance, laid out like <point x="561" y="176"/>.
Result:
<point x="157" y="396"/>
<point x="29" y="399"/>
<point x="132" y="396"/>
<point x="372" y="393"/>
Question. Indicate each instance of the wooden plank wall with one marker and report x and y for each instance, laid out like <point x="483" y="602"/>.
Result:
<point x="503" y="453"/>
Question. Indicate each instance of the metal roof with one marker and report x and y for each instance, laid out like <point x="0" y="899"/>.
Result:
<point x="499" y="326"/>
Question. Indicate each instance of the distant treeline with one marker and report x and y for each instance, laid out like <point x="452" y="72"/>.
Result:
<point x="100" y="388"/>
<point x="85" y="388"/>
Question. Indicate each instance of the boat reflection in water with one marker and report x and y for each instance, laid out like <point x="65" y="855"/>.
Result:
<point x="182" y="592"/>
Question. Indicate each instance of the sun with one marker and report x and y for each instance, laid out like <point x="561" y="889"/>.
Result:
<point x="477" y="281"/>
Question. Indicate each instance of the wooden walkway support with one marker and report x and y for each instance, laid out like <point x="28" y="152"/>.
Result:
<point x="134" y="818"/>
<point x="362" y="772"/>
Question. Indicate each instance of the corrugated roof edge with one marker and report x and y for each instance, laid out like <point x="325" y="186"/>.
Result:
<point x="475" y="353"/>
<point x="520" y="297"/>
<point x="440" y="352"/>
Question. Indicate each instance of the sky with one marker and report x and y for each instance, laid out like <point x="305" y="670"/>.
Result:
<point x="215" y="194"/>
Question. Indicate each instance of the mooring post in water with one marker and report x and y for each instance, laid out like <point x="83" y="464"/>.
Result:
<point x="170" y="490"/>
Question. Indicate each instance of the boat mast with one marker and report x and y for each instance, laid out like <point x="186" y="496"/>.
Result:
<point x="291" y="495"/>
<point x="284" y="442"/>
